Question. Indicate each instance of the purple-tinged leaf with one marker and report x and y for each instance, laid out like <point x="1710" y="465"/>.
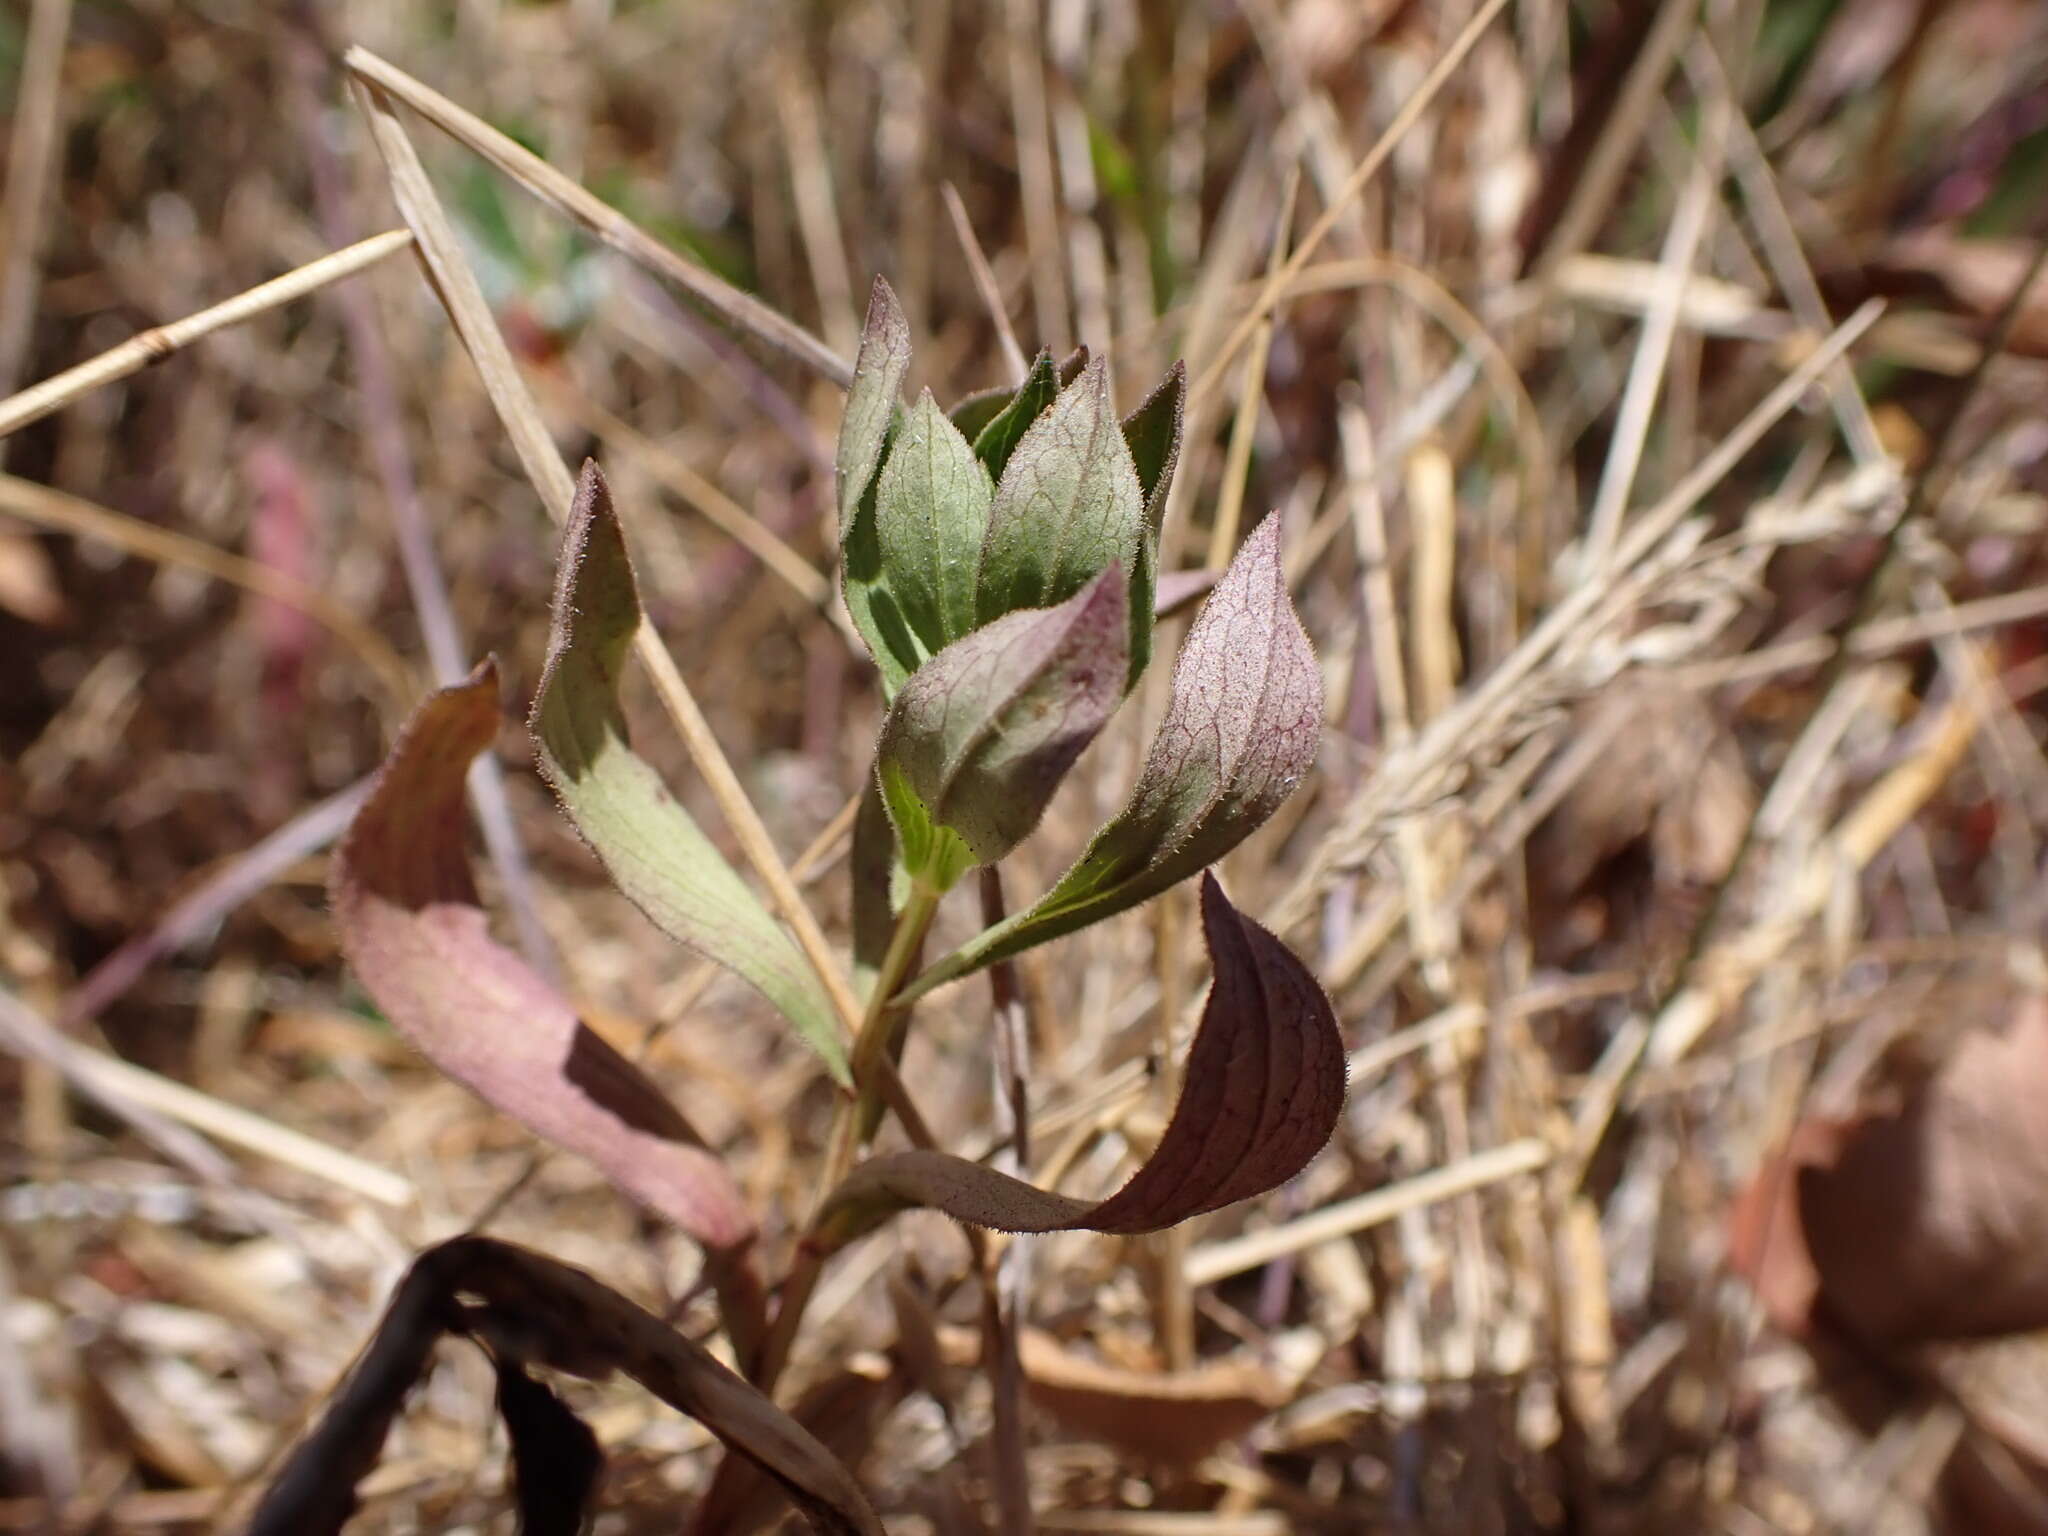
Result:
<point x="931" y="514"/>
<point x="1240" y="732"/>
<point x="412" y="930"/>
<point x="982" y="734"/>
<point x="1067" y="508"/>
<point x="649" y="845"/>
<point x="1262" y="1091"/>
<point x="871" y="417"/>
<point x="871" y="400"/>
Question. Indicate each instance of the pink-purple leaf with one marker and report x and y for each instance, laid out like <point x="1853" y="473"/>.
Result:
<point x="1262" y="1090"/>
<point x="412" y="930"/>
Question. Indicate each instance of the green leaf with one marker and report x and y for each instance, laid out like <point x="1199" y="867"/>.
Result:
<point x="931" y="514"/>
<point x="1240" y="732"/>
<point x="1153" y="434"/>
<point x="981" y="736"/>
<point x="1262" y="1090"/>
<point x="996" y="441"/>
<point x="872" y="411"/>
<point x="650" y="846"/>
<point x="972" y="413"/>
<point x="1067" y="508"/>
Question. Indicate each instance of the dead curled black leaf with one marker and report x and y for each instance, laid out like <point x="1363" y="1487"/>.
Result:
<point x="556" y="1460"/>
<point x="1263" y="1088"/>
<point x="529" y="1310"/>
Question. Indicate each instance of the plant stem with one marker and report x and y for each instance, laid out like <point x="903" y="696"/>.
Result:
<point x="851" y="1124"/>
<point x="881" y="1026"/>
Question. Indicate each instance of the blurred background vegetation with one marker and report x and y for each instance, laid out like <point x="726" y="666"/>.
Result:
<point x="1491" y="366"/>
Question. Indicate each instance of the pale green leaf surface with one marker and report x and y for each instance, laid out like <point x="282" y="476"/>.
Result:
<point x="655" y="853"/>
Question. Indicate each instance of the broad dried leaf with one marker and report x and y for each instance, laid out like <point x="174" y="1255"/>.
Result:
<point x="1240" y="732"/>
<point x="1960" y="1177"/>
<point x="529" y="1310"/>
<point x="1910" y="1247"/>
<point x="1152" y="433"/>
<point x="1262" y="1090"/>
<point x="1171" y="1418"/>
<point x="872" y="411"/>
<point x="996" y="441"/>
<point x="654" y="852"/>
<point x="1067" y="508"/>
<point x="981" y="736"/>
<point x="410" y="927"/>
<point x="931" y="514"/>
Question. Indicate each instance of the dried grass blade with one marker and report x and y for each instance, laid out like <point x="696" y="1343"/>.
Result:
<point x="741" y="310"/>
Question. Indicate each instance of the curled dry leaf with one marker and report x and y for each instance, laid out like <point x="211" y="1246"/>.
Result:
<point x="411" y="929"/>
<point x="982" y="734"/>
<point x="1671" y="773"/>
<point x="556" y="1460"/>
<point x="1262" y="1090"/>
<point x="1167" y="1418"/>
<point x="1240" y="731"/>
<point x="1173" y="1418"/>
<point x="529" y="1310"/>
<point x="654" y="852"/>
<point x="1068" y="506"/>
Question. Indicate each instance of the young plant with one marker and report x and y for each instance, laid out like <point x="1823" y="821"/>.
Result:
<point x="999" y="561"/>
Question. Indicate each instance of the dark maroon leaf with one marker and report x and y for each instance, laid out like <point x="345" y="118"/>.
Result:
<point x="1262" y="1090"/>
